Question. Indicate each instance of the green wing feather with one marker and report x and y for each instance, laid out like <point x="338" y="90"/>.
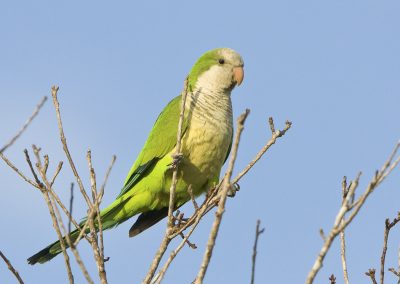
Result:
<point x="161" y="141"/>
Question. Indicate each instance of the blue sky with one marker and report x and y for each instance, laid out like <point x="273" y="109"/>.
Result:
<point x="331" y="67"/>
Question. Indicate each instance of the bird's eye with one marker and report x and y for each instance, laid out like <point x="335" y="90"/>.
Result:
<point x="221" y="61"/>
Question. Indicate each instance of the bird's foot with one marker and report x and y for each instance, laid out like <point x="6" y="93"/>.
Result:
<point x="233" y="188"/>
<point x="177" y="158"/>
<point x="179" y="219"/>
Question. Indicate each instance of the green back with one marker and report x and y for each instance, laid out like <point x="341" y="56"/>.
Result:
<point x="161" y="141"/>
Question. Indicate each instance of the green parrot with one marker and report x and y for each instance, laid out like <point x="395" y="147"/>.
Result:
<point x="206" y="141"/>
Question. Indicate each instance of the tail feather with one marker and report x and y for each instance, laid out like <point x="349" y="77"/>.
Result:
<point x="108" y="220"/>
<point x="51" y="251"/>
<point x="42" y="256"/>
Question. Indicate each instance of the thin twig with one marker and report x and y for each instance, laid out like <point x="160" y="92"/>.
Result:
<point x="54" y="91"/>
<point x="394" y="272"/>
<point x="275" y="136"/>
<point x="46" y="163"/>
<point x="332" y="278"/>
<point x="388" y="226"/>
<point x="371" y="274"/>
<point x="11" y="268"/>
<point x="166" y="240"/>
<point x="322" y="234"/>
<point x="25" y="126"/>
<point x="58" y="169"/>
<point x="15" y="169"/>
<point x="28" y="160"/>
<point x="253" y="258"/>
<point x="221" y="204"/>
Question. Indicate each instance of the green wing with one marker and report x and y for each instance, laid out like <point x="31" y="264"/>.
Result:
<point x="161" y="141"/>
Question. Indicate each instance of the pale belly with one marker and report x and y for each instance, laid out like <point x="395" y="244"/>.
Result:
<point x="204" y="148"/>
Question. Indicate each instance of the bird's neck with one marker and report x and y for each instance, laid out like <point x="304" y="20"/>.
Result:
<point x="206" y="102"/>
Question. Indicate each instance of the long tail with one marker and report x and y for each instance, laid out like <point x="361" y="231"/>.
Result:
<point x="109" y="220"/>
<point x="51" y="250"/>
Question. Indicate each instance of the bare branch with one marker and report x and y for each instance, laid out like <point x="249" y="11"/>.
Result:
<point x="345" y="191"/>
<point x="54" y="91"/>
<point x="45" y="186"/>
<point x="253" y="259"/>
<point x="25" y="126"/>
<point x="11" y="268"/>
<point x="340" y="222"/>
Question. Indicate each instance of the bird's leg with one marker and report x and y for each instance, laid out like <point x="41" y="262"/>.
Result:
<point x="233" y="188"/>
<point x="177" y="158"/>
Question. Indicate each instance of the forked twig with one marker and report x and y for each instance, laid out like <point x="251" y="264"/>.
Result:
<point x="371" y="274"/>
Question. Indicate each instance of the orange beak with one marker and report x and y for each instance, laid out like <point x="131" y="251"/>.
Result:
<point x="238" y="75"/>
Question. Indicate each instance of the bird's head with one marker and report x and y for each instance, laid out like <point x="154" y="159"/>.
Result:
<point x="220" y="69"/>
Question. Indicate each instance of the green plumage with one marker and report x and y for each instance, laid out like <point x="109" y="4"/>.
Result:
<point x="206" y="140"/>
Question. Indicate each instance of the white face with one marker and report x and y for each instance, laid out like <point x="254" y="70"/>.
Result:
<point x="221" y="77"/>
